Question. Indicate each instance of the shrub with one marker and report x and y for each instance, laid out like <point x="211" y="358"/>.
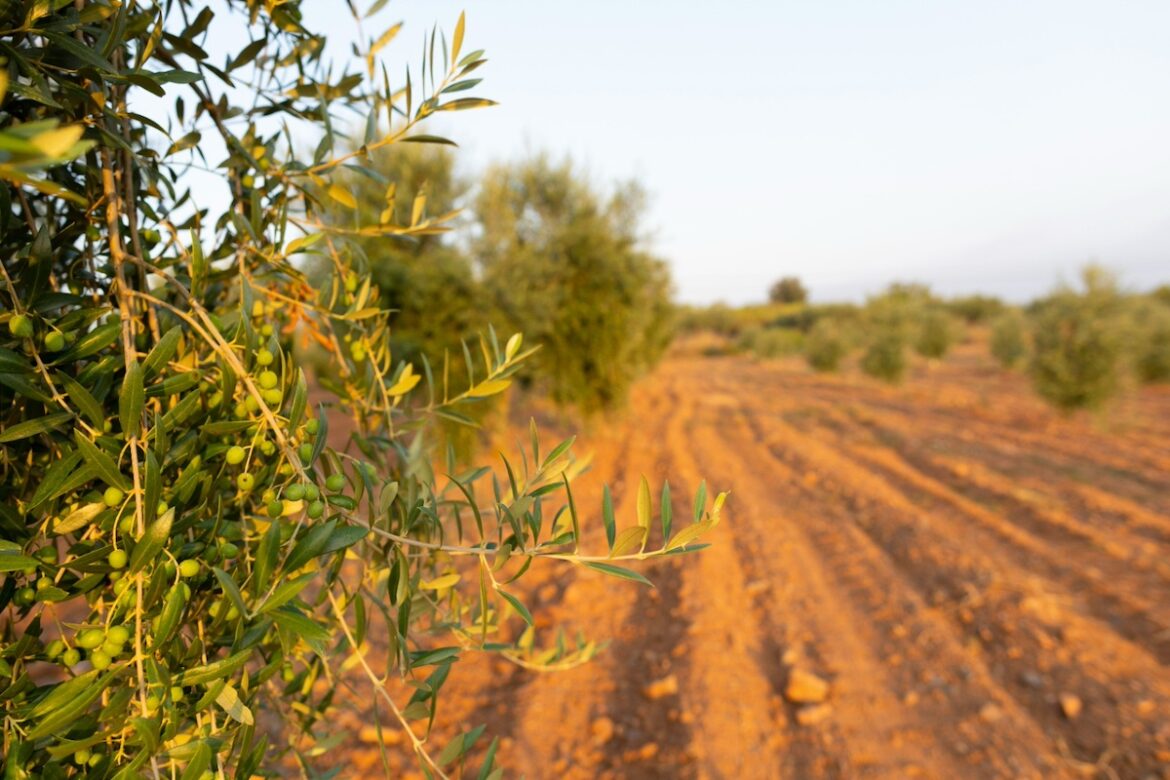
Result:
<point x="788" y="290"/>
<point x="182" y="550"/>
<point x="1078" y="343"/>
<point x="565" y="265"/>
<point x="975" y="309"/>
<point x="936" y="333"/>
<point x="1152" y="342"/>
<point x="1009" y="338"/>
<point x="885" y="356"/>
<point x="826" y="346"/>
<point x="772" y="342"/>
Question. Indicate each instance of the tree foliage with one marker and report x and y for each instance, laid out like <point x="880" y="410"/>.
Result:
<point x="182" y="548"/>
<point x="1009" y="343"/>
<point x="788" y="289"/>
<point x="1078" y="344"/>
<point x="826" y="345"/>
<point x="1152" y="342"/>
<point x="565" y="265"/>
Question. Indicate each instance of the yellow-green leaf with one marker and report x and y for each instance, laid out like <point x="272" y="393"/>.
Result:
<point x="342" y="196"/>
<point x="229" y="699"/>
<point x="627" y="540"/>
<point x="439" y="583"/>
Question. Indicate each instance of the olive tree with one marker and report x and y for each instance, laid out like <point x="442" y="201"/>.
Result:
<point x="565" y="265"/>
<point x="183" y="550"/>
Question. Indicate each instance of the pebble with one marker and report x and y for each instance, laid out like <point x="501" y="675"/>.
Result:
<point x="667" y="686"/>
<point x="990" y="712"/>
<point x="813" y="714"/>
<point x="602" y="729"/>
<point x="804" y="687"/>
<point x="1071" y="705"/>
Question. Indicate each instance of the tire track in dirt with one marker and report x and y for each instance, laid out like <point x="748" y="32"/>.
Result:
<point x="1098" y="668"/>
<point x="838" y="616"/>
<point x="1109" y="575"/>
<point x="609" y="687"/>
<point x="731" y="688"/>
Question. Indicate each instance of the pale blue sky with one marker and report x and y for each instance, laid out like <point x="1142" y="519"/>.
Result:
<point x="992" y="146"/>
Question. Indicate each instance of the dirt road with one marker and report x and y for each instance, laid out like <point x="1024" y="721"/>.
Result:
<point x="983" y="584"/>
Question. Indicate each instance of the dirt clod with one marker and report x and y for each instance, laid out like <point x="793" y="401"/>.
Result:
<point x="1071" y="705"/>
<point x="602" y="730"/>
<point x="667" y="686"/>
<point x="813" y="714"/>
<point x="804" y="687"/>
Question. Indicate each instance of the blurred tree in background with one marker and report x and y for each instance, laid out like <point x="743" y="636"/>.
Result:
<point x="566" y="264"/>
<point x="1009" y="343"/>
<point x="788" y="289"/>
<point x="1078" y="340"/>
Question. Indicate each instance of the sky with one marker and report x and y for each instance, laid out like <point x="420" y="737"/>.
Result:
<point x="977" y="147"/>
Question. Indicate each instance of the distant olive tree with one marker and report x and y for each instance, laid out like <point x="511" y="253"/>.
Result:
<point x="567" y="264"/>
<point x="826" y="345"/>
<point x="788" y="289"/>
<point x="1078" y="342"/>
<point x="1009" y="343"/>
<point x="1152" y="341"/>
<point x="936" y="332"/>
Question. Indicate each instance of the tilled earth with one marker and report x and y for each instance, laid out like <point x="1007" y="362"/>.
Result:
<point x="944" y="579"/>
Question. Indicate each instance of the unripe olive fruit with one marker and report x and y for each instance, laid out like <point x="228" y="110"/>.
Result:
<point x="71" y="657"/>
<point x="335" y="482"/>
<point x="312" y="425"/>
<point x="24" y="597"/>
<point x="266" y="329"/>
<point x="118" y="559"/>
<point x="20" y="326"/>
<point x="188" y="568"/>
<point x="312" y="492"/>
<point x="54" y="341"/>
<point x="177" y="694"/>
<point x="257" y="308"/>
<point x="119" y="635"/>
<point x="91" y="638"/>
<point x="272" y="397"/>
<point x="235" y="455"/>
<point x="268" y="379"/>
<point x="264" y="358"/>
<point x="112" y="649"/>
<point x="306" y="452"/>
<point x="316" y="509"/>
<point x="55" y="648"/>
<point x="113" y="496"/>
<point x="275" y="508"/>
<point x="100" y="659"/>
<point x="245" y="481"/>
<point x="295" y="492"/>
<point x="81" y="757"/>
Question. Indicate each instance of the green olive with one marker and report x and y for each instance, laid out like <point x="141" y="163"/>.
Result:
<point x="20" y="326"/>
<point x="268" y="379"/>
<point x="335" y="482"/>
<point x="71" y="657"/>
<point x="113" y="496"/>
<point x="54" y="341"/>
<point x="245" y="481"/>
<point x="295" y="492"/>
<point x="264" y="358"/>
<point x="235" y="455"/>
<point x="312" y="492"/>
<point x="91" y="638"/>
<point x="118" y="559"/>
<point x="316" y="509"/>
<point x="100" y="659"/>
<point x="188" y="568"/>
<point x="119" y="635"/>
